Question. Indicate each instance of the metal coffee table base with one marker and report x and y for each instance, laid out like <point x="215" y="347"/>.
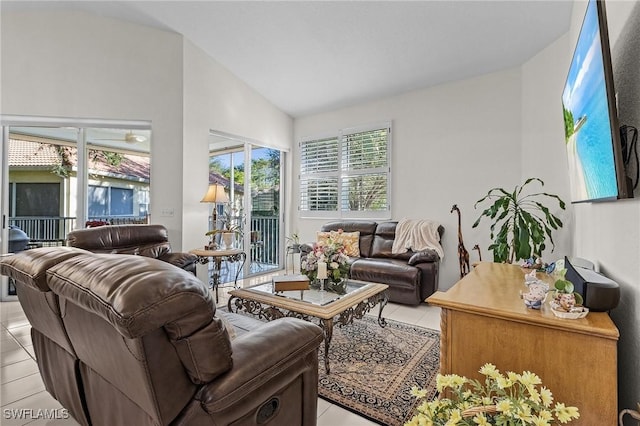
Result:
<point x="269" y="313"/>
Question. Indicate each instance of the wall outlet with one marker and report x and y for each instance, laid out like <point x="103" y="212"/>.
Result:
<point x="167" y="213"/>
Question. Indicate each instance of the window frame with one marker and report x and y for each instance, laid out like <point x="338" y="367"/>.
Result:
<point x="341" y="174"/>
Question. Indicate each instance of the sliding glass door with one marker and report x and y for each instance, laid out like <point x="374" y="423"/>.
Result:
<point x="57" y="177"/>
<point x="251" y="175"/>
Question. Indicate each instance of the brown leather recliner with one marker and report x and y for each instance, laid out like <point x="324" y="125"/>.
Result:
<point x="137" y="341"/>
<point x="56" y="357"/>
<point x="144" y="240"/>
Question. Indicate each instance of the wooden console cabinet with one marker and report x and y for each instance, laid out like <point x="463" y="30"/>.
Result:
<point x="485" y="320"/>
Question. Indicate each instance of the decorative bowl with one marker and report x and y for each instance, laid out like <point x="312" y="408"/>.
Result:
<point x="576" y="313"/>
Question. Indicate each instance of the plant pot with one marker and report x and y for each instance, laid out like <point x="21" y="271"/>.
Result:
<point x="227" y="240"/>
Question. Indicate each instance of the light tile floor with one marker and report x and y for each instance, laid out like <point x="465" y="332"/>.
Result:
<point x="22" y="390"/>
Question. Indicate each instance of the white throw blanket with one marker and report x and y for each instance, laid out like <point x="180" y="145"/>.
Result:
<point x="417" y="235"/>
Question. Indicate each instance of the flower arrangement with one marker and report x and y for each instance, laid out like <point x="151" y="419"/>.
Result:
<point x="511" y="399"/>
<point x="330" y="252"/>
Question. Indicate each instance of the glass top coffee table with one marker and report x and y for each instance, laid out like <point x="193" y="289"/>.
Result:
<point x="328" y="307"/>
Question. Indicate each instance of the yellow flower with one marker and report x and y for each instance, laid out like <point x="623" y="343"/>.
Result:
<point x="565" y="414"/>
<point x="546" y="415"/>
<point x="518" y="398"/>
<point x="419" y="420"/>
<point x="454" y="417"/>
<point x="504" y="406"/>
<point x="546" y="396"/>
<point x="529" y="378"/>
<point x="503" y="382"/>
<point x="449" y="381"/>
<point x="514" y="377"/>
<point x="539" y="421"/>
<point x="418" y="393"/>
<point x="489" y="370"/>
<point x="523" y="412"/>
<point x="534" y="395"/>
<point x="481" y="420"/>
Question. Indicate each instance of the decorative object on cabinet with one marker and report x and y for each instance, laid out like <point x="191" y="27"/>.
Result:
<point x="633" y="413"/>
<point x="463" y="254"/>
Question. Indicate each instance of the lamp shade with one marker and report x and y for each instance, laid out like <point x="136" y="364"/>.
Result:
<point x="215" y="194"/>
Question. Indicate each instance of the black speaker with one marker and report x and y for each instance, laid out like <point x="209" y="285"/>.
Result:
<point x="598" y="292"/>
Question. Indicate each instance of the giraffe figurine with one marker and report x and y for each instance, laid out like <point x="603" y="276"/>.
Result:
<point x="463" y="254"/>
<point x="477" y="248"/>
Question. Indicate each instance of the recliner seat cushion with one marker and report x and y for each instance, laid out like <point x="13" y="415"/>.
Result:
<point x="393" y="272"/>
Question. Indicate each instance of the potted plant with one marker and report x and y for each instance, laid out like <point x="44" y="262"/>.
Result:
<point x="499" y="399"/>
<point x="294" y="242"/>
<point x="521" y="223"/>
<point x="230" y="228"/>
<point x="566" y="299"/>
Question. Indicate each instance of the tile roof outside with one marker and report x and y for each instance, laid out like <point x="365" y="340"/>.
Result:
<point x="32" y="154"/>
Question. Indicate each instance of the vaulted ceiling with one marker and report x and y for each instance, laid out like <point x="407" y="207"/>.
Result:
<point x="312" y="56"/>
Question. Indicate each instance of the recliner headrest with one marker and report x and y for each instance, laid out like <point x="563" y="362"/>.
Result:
<point x="30" y="266"/>
<point x="105" y="238"/>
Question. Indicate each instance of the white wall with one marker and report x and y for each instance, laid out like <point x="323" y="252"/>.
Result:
<point x="451" y="144"/>
<point x="609" y="233"/>
<point x="543" y="146"/>
<point x="606" y="233"/>
<point x="71" y="64"/>
<point x="215" y="99"/>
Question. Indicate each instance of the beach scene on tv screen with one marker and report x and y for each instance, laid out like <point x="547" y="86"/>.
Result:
<point x="586" y="118"/>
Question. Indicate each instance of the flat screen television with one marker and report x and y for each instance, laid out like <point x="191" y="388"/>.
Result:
<point x="592" y="135"/>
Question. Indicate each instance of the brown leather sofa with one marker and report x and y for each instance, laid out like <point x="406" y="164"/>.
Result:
<point x="133" y="340"/>
<point x="411" y="276"/>
<point x="144" y="240"/>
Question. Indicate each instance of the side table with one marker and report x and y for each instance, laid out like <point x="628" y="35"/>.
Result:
<point x="227" y="255"/>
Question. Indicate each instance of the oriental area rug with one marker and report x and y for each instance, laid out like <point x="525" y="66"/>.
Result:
<point x="373" y="369"/>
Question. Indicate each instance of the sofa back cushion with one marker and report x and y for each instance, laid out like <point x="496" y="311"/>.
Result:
<point x="385" y="234"/>
<point x="144" y="240"/>
<point x="366" y="230"/>
<point x="383" y="242"/>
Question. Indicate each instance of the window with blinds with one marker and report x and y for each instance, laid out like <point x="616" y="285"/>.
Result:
<point x="347" y="175"/>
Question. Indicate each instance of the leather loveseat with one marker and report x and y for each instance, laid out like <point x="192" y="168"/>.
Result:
<point x="411" y="276"/>
<point x="144" y="240"/>
<point x="133" y="340"/>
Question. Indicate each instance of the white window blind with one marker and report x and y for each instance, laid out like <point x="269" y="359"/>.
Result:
<point x="347" y="175"/>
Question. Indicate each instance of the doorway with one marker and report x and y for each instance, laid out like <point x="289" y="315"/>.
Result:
<point x="60" y="174"/>
<point x="251" y="174"/>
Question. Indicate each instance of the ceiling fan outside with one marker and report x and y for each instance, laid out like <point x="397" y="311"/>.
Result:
<point x="129" y="137"/>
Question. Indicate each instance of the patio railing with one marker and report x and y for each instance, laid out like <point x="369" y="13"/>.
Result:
<point x="53" y="230"/>
<point x="265" y="250"/>
<point x="45" y="230"/>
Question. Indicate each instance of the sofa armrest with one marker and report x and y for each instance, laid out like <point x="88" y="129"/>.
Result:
<point x="259" y="357"/>
<point x="423" y="256"/>
<point x="181" y="260"/>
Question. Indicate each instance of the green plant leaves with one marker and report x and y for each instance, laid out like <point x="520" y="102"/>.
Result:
<point x="524" y="223"/>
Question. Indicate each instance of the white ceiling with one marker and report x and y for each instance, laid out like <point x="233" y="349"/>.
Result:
<point x="312" y="56"/>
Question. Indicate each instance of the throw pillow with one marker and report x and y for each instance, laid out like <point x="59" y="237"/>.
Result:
<point x="350" y="241"/>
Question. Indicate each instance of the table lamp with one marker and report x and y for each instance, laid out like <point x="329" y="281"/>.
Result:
<point x="215" y="194"/>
